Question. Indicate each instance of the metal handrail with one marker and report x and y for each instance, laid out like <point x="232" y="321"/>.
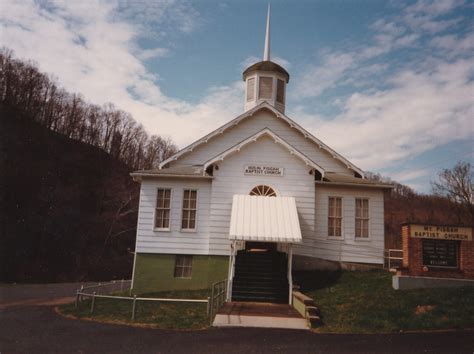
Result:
<point x="389" y="257"/>
<point x="80" y="294"/>
<point x="218" y="298"/>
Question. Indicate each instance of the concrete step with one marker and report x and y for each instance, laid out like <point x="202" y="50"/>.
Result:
<point x="222" y="320"/>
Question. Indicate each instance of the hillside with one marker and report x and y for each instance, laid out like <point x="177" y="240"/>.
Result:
<point x="68" y="209"/>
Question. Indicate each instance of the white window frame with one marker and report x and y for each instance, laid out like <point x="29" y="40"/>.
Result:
<point x="155" y="228"/>
<point x="189" y="209"/>
<point x="183" y="267"/>
<point x="332" y="237"/>
<point x="359" y="238"/>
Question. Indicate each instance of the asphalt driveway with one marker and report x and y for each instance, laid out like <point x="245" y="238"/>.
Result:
<point x="28" y="323"/>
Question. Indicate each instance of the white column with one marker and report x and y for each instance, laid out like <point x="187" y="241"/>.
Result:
<point x="290" y="276"/>
<point x="230" y="276"/>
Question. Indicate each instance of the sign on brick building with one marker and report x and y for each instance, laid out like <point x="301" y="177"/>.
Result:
<point x="436" y="256"/>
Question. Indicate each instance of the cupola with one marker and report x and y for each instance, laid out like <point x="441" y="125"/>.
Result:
<point x="266" y="81"/>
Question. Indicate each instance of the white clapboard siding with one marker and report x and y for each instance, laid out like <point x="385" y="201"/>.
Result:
<point x="248" y="127"/>
<point x="229" y="179"/>
<point x="174" y="241"/>
<point x="347" y="249"/>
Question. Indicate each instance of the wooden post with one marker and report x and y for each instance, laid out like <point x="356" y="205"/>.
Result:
<point x="77" y="299"/>
<point x="208" y="309"/>
<point x="93" y="302"/>
<point x="82" y="288"/>
<point x="134" y="307"/>
<point x="121" y="285"/>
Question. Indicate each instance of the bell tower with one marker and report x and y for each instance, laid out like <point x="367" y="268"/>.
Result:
<point x="266" y="81"/>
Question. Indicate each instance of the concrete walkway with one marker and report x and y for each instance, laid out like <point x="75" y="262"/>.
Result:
<point x="263" y="315"/>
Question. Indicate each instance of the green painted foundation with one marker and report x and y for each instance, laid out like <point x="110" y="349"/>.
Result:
<point x="155" y="272"/>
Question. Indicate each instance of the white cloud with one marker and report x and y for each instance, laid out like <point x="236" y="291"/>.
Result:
<point x="420" y="111"/>
<point x="148" y="54"/>
<point x="92" y="50"/>
<point x="390" y="114"/>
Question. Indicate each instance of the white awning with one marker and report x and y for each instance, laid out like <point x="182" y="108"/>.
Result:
<point x="265" y="219"/>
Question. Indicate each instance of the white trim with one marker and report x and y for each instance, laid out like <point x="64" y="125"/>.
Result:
<point x="337" y="238"/>
<point x="277" y="192"/>
<point x="162" y="229"/>
<point x="182" y="207"/>
<point x="255" y="137"/>
<point x="369" y="224"/>
<point x="250" y="113"/>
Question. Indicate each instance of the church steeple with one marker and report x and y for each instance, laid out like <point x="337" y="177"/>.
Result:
<point x="266" y="51"/>
<point x="266" y="81"/>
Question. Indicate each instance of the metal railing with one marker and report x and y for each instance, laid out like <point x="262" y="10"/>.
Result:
<point x="107" y="287"/>
<point x="105" y="290"/>
<point x="393" y="258"/>
<point x="218" y="298"/>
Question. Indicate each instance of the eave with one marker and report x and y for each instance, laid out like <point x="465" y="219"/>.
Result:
<point x="359" y="185"/>
<point x="250" y="113"/>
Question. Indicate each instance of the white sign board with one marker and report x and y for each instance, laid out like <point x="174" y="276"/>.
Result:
<point x="256" y="170"/>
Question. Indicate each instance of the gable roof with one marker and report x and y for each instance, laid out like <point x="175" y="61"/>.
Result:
<point x="250" y="113"/>
<point x="254" y="138"/>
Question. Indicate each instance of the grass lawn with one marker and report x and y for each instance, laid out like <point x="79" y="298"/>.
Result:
<point x="164" y="315"/>
<point x="364" y="302"/>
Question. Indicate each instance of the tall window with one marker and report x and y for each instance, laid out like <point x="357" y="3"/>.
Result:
<point x="280" y="91"/>
<point x="163" y="205"/>
<point x="251" y="89"/>
<point x="362" y="218"/>
<point x="335" y="217"/>
<point x="188" y="222"/>
<point x="183" y="266"/>
<point x="265" y="87"/>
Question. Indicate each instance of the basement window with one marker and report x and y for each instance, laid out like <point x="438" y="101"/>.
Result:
<point x="183" y="266"/>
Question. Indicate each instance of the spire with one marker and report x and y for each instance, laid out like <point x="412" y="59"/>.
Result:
<point x="266" y="52"/>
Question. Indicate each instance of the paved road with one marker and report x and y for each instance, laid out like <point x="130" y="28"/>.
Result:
<point x="28" y="324"/>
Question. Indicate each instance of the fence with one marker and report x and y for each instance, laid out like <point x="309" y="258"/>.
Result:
<point x="218" y="297"/>
<point x="105" y="290"/>
<point x="393" y="258"/>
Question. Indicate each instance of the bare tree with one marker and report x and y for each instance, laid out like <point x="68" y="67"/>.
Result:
<point x="457" y="185"/>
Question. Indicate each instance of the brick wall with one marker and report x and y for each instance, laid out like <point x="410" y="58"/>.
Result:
<point x="413" y="259"/>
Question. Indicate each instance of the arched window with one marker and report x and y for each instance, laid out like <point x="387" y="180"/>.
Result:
<point x="263" y="191"/>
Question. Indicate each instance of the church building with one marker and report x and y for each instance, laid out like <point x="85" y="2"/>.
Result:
<point x="252" y="201"/>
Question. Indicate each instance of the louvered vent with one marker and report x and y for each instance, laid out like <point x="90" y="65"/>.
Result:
<point x="251" y="89"/>
<point x="265" y="87"/>
<point x="280" y="91"/>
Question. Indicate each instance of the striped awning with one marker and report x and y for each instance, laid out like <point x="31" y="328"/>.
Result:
<point x="266" y="219"/>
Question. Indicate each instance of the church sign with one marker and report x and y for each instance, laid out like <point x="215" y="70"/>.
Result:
<point x="441" y="232"/>
<point x="259" y="170"/>
<point x="440" y="253"/>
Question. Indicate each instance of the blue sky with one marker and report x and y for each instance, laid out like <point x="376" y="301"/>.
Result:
<point x="387" y="84"/>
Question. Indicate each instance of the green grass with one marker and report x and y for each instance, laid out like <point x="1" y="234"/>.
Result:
<point x="364" y="302"/>
<point x="159" y="314"/>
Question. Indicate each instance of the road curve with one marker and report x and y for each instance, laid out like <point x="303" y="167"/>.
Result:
<point x="28" y="323"/>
